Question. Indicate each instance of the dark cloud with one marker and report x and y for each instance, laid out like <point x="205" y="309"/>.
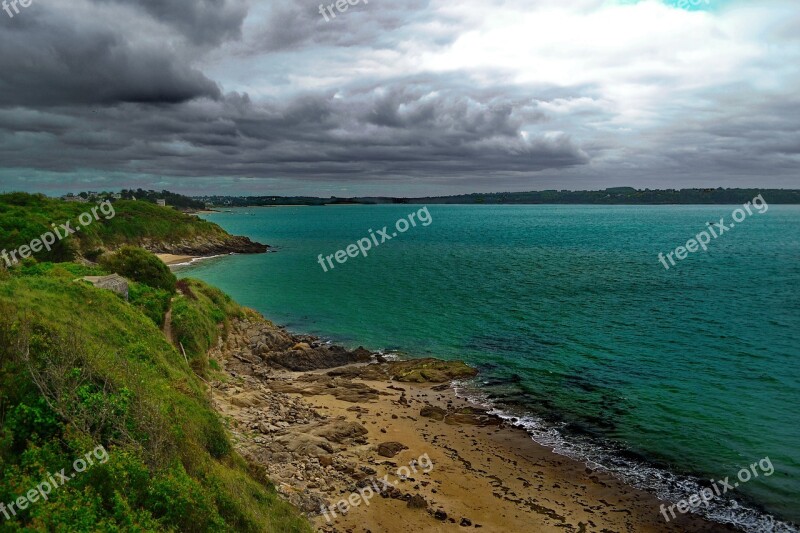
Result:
<point x="405" y="129"/>
<point x="292" y="25"/>
<point x="50" y="58"/>
<point x="202" y="21"/>
<point x="125" y="91"/>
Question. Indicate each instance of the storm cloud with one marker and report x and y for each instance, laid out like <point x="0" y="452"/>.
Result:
<point x="427" y="97"/>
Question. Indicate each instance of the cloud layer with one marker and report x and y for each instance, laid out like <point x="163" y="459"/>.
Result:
<point x="429" y="97"/>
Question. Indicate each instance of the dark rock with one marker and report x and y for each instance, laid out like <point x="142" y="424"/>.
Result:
<point x="430" y="411"/>
<point x="465" y="522"/>
<point x="390" y="449"/>
<point x="417" y="502"/>
<point x="472" y="416"/>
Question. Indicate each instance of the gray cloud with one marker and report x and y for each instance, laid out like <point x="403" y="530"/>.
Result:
<point x="50" y="57"/>
<point x="386" y="99"/>
<point x="294" y="25"/>
<point x="202" y="21"/>
<point x="403" y="130"/>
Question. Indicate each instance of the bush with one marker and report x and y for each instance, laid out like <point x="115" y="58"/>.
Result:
<point x="112" y="379"/>
<point x="142" y="266"/>
<point x="153" y="302"/>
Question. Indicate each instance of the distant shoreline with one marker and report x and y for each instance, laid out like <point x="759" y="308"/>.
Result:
<point x="610" y="196"/>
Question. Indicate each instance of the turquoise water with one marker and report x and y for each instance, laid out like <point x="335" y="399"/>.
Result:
<point x="665" y="376"/>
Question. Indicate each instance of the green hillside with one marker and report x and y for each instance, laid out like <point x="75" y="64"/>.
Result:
<point x="87" y="375"/>
<point x="80" y="368"/>
<point x="25" y="217"/>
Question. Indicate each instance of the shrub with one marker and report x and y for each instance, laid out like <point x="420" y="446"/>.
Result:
<point x="153" y="302"/>
<point x="142" y="266"/>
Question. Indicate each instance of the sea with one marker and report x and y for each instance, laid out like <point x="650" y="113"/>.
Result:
<point x="671" y="378"/>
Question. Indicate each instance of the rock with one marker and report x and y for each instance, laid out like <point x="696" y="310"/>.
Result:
<point x="436" y="413"/>
<point x="417" y="502"/>
<point x="440" y="515"/>
<point x="301" y="346"/>
<point x="247" y="399"/>
<point x="205" y="246"/>
<point x="305" y="360"/>
<point x="340" y="431"/>
<point x="413" y="371"/>
<point x="465" y="522"/>
<point x="303" y="444"/>
<point x="266" y="428"/>
<point x="362" y="354"/>
<point x="430" y="371"/>
<point x="325" y="460"/>
<point x="390" y="449"/>
<point x="472" y="416"/>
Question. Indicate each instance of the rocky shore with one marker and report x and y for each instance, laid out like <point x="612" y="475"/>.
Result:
<point x="344" y="435"/>
<point x="206" y="246"/>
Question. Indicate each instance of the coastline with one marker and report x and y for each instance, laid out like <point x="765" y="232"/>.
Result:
<point x="317" y="432"/>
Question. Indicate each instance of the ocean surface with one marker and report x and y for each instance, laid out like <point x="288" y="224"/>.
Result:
<point x="669" y="378"/>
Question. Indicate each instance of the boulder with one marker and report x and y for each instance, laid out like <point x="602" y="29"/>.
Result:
<point x="430" y="411"/>
<point x="390" y="449"/>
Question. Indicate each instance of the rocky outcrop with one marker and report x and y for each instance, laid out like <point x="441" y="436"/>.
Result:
<point x="411" y="371"/>
<point x="262" y="343"/>
<point x="312" y="457"/>
<point x="390" y="449"/>
<point x="206" y="246"/>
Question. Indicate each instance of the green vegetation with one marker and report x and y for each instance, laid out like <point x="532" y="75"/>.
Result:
<point x="614" y="195"/>
<point x="621" y="196"/>
<point x="140" y="265"/>
<point x="154" y="303"/>
<point x="80" y="367"/>
<point x="200" y="314"/>
<point x="25" y="217"/>
<point x="172" y="199"/>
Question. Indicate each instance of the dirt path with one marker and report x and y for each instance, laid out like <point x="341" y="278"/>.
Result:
<point x="167" y="329"/>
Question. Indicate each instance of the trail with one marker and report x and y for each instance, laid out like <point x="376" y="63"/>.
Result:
<point x="167" y="328"/>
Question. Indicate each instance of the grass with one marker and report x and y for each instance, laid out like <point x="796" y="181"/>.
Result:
<point x="25" y="217"/>
<point x="107" y="376"/>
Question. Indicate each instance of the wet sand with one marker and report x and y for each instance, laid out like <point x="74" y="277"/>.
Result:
<point x="495" y="477"/>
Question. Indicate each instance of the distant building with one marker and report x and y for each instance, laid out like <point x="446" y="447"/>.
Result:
<point x="114" y="282"/>
<point x="71" y="198"/>
<point x="162" y="203"/>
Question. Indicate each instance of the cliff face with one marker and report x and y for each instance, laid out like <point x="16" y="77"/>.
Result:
<point x="206" y="245"/>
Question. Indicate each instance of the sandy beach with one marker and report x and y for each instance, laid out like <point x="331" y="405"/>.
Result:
<point x="171" y="259"/>
<point x="329" y="437"/>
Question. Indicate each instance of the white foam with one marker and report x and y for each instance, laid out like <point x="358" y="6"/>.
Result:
<point x="664" y="484"/>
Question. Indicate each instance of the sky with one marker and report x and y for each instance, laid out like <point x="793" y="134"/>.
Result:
<point x="411" y="98"/>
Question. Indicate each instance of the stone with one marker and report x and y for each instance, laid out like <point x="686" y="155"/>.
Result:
<point x="390" y="449"/>
<point x="417" y="502"/>
<point x="436" y="413"/>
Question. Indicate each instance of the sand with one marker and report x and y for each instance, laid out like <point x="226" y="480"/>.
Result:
<point x="318" y="433"/>
<point x="172" y="260"/>
<point x="495" y="477"/>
